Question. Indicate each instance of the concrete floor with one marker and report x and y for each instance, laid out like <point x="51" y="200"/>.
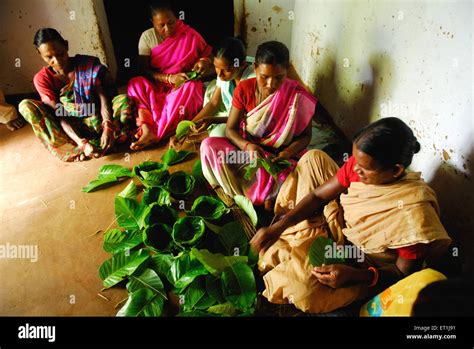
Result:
<point x="41" y="204"/>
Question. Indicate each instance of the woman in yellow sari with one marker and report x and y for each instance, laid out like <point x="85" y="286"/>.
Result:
<point x="387" y="212"/>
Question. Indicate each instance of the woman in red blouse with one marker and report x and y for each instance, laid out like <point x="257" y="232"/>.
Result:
<point x="389" y="213"/>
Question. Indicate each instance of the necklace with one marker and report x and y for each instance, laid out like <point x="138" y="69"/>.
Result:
<point x="259" y="96"/>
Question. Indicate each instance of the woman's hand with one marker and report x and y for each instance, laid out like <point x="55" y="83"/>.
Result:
<point x="178" y="79"/>
<point x="335" y="275"/>
<point x="264" y="238"/>
<point x="107" y="140"/>
<point x="201" y="66"/>
<point x="283" y="155"/>
<point x="255" y="151"/>
<point x="203" y="124"/>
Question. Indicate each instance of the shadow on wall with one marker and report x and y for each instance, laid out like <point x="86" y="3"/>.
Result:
<point x="455" y="190"/>
<point x="352" y="107"/>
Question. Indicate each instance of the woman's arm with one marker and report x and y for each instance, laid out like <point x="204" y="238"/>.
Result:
<point x="107" y="138"/>
<point x="211" y="108"/>
<point x="305" y="209"/>
<point x="299" y="143"/>
<point x="204" y="66"/>
<point x="232" y="128"/>
<point x="146" y="70"/>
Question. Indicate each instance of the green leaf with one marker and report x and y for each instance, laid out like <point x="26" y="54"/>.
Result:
<point x="100" y="183"/>
<point x="116" y="240"/>
<point x="212" y="227"/>
<point x="214" y="288"/>
<point x="147" y="166"/>
<point x="130" y="191"/>
<point x="188" y="231"/>
<point x="171" y="157"/>
<point x="225" y="309"/>
<point x="115" y="170"/>
<point x="180" y="184"/>
<point x="250" y="171"/>
<point x="238" y="285"/>
<point x="183" y="128"/>
<point x="156" y="213"/>
<point x="233" y="239"/>
<point x="148" y="278"/>
<point x="157" y="237"/>
<point x="216" y="263"/>
<point x="184" y="269"/>
<point x="272" y="168"/>
<point x="246" y="205"/>
<point x="197" y="313"/>
<point x="129" y="213"/>
<point x="154" y="178"/>
<point x="208" y="208"/>
<point x="253" y="257"/>
<point x="197" y="171"/>
<point x="192" y="75"/>
<point x="196" y="296"/>
<point x="318" y="252"/>
<point x="121" y="265"/>
<point x="143" y="302"/>
<point x="161" y="263"/>
<point x="158" y="195"/>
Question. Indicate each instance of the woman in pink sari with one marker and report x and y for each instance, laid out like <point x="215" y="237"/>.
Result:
<point x="165" y="97"/>
<point x="270" y="118"/>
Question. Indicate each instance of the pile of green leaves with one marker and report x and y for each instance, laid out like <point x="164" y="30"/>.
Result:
<point x="273" y="168"/>
<point x="200" y="256"/>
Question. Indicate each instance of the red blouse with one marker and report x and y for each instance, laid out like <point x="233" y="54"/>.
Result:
<point x="244" y="95"/>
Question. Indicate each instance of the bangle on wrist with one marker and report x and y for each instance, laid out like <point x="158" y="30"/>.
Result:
<point x="207" y="59"/>
<point x="376" y="276"/>
<point x="245" y="146"/>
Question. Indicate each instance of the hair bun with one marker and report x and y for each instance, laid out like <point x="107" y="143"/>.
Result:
<point x="416" y="147"/>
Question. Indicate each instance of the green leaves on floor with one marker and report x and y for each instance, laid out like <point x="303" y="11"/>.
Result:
<point x="162" y="251"/>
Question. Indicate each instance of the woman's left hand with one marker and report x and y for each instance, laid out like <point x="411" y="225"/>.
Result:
<point x="335" y="275"/>
<point x="107" y="140"/>
<point x="201" y="66"/>
<point x="283" y="155"/>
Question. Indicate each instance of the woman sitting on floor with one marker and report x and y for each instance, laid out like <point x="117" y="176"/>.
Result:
<point x="75" y="119"/>
<point x="271" y="118"/>
<point x="165" y="97"/>
<point x="232" y="66"/>
<point x="390" y="214"/>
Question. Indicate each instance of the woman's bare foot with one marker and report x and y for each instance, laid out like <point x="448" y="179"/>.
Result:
<point x="145" y="139"/>
<point x="88" y="151"/>
<point x="16" y="124"/>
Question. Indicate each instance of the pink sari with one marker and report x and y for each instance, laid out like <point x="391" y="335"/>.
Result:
<point x="168" y="107"/>
<point x="273" y="124"/>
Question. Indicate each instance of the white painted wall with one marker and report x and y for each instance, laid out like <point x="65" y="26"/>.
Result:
<point x="411" y="59"/>
<point x="83" y="23"/>
<point x="263" y="20"/>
